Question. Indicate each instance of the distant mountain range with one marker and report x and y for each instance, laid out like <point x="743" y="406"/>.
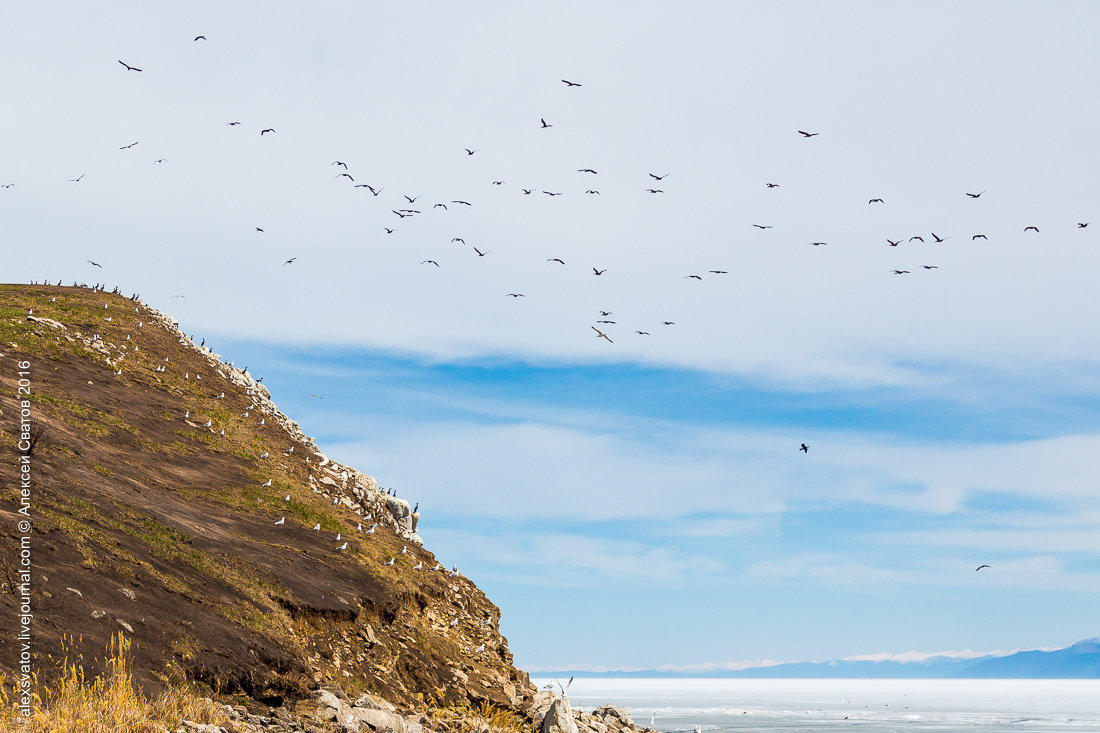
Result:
<point x="1079" y="661"/>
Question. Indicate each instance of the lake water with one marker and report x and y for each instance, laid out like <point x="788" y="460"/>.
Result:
<point x="860" y="706"/>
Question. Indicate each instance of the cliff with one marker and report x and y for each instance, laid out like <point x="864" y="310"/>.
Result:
<point x="169" y="498"/>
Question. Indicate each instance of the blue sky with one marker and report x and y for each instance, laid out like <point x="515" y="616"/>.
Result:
<point x="640" y="502"/>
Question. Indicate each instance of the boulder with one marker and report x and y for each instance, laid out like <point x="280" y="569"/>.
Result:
<point x="377" y="720"/>
<point x="367" y="700"/>
<point x="614" y="714"/>
<point x="559" y="718"/>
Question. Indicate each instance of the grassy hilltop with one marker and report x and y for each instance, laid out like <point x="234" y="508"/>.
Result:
<point x="153" y="515"/>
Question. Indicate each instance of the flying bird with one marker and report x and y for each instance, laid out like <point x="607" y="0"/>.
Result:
<point x="1082" y="224"/>
<point x="438" y="205"/>
<point x="974" y="195"/>
<point x="337" y="162"/>
<point x="601" y="335"/>
<point x="917" y="238"/>
<point x="978" y="236"/>
<point x="346" y="175"/>
<point x="544" y="123"/>
<point x="585" y="170"/>
<point x="161" y="160"/>
<point x="568" y="83"/>
<point x="555" y="259"/>
<point x="471" y="152"/>
<point x="804" y="448"/>
<point x="498" y="183"/>
<point x="876" y="201"/>
<point x="695" y="277"/>
<point x="229" y="124"/>
<point x="431" y="262"/>
<point x="77" y="180"/>
<point x="642" y="333"/>
<point x="668" y="323"/>
<point x="606" y="313"/>
<point x="659" y="178"/>
<point x="480" y="253"/>
<point x="599" y="272"/>
<point x="818" y="244"/>
<point x="258" y="229"/>
<point x="290" y="261"/>
<point x="901" y="272"/>
<point x="980" y="567"/>
<point x="719" y="272"/>
<point x="937" y="238"/>
<point x="127" y="147"/>
<point x="466" y="203"/>
<point x="267" y="130"/>
<point x="1035" y="229"/>
<point x="654" y="190"/>
<point x="761" y="226"/>
<point x="808" y="134"/>
<point x="514" y="295"/>
<point x="527" y="191"/>
<point x="411" y="200"/>
<point x="551" y="194"/>
<point x="930" y="267"/>
<point x="458" y="239"/>
<point x="389" y="231"/>
<point x="200" y="38"/>
<point x="128" y="67"/>
<point x="94" y="263"/>
<point x="591" y="191"/>
<point x="772" y="185"/>
<point x="893" y="243"/>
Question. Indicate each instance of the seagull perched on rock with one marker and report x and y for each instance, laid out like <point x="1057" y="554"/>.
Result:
<point x="286" y="498"/>
<point x="266" y="484"/>
<point x="454" y="623"/>
<point x="317" y="527"/>
<point x="391" y="560"/>
<point x="281" y="521"/>
<point x="264" y="455"/>
<point x="343" y="546"/>
<point x="404" y="549"/>
<point x="371" y="530"/>
<point x="419" y="565"/>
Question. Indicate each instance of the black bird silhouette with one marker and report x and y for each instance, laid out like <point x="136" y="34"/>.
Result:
<point x="696" y="277"/>
<point x="804" y="448"/>
<point x="411" y="200"/>
<point x="938" y="239"/>
<point x="818" y="244"/>
<point x="94" y="263"/>
<point x="808" y="134"/>
<point x="76" y="180"/>
<point x="544" y="123"/>
<point x="599" y="272"/>
<point x="930" y="267"/>
<point x="345" y="175"/>
<point x="570" y="83"/>
<point x="980" y="567"/>
<point x="128" y="67"/>
<point x="978" y="236"/>
<point x="465" y="203"/>
<point x="761" y="226"/>
<point x="127" y="147"/>
<point x="551" y="194"/>
<point x="974" y="195"/>
<point x="337" y="162"/>
<point x="611" y="322"/>
<point x="459" y="239"/>
<point x="659" y="178"/>
<point x="654" y="190"/>
<point x="917" y="238"/>
<point x="480" y="253"/>
<point x="258" y="229"/>
<point x="515" y="295"/>
<point x="876" y="201"/>
<point x="606" y="313"/>
<point x="430" y="261"/>
<point x="527" y="191"/>
<point x="601" y="335"/>
<point x="591" y="191"/>
<point x="719" y="272"/>
<point x="1036" y="229"/>
<point x="399" y="213"/>
<point x="668" y="323"/>
<point x="229" y="124"/>
<point x="772" y="185"/>
<point x="893" y="243"/>
<point x="290" y="261"/>
<point x="7" y="185"/>
<point x="498" y="183"/>
<point x="200" y="38"/>
<point x="1082" y="224"/>
<point x="585" y="170"/>
<point x="642" y="333"/>
<point x="555" y="259"/>
<point x="901" y="272"/>
<point x="161" y="160"/>
<point x="269" y="129"/>
<point x="389" y="231"/>
<point x="438" y="205"/>
<point x="471" y="152"/>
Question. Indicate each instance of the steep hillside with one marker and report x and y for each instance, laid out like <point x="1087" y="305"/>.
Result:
<point x="158" y="486"/>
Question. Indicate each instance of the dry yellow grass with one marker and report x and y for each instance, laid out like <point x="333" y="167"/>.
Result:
<point x="482" y="718"/>
<point x="110" y="703"/>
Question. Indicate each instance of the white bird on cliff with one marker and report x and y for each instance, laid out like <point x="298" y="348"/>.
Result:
<point x="418" y="565"/>
<point x="208" y="423"/>
<point x="262" y="421"/>
<point x="480" y="649"/>
<point x="186" y="414"/>
<point x="390" y="562"/>
<point x="287" y="498"/>
<point x="343" y="546"/>
<point x="221" y="396"/>
<point x="404" y="549"/>
<point x="223" y="432"/>
<point x="438" y="566"/>
<point x="335" y="500"/>
<point x="371" y="530"/>
<point x="359" y="528"/>
<point x="454" y="623"/>
<point x="264" y="455"/>
<point x="267" y="484"/>
<point x="317" y="527"/>
<point x="281" y="521"/>
<point x="337" y="536"/>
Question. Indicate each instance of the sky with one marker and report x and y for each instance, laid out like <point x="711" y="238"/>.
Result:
<point x="638" y="501"/>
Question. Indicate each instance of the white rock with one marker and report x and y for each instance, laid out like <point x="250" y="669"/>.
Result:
<point x="559" y="718"/>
